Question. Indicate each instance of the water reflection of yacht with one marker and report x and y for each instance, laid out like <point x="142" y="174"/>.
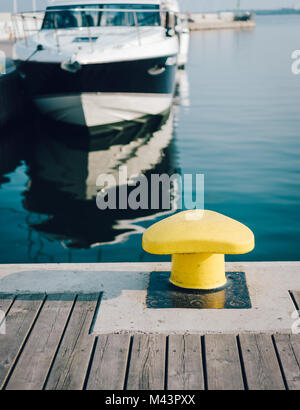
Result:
<point x="47" y="179"/>
<point x="102" y="62"/>
<point x="63" y="173"/>
<point x="10" y="158"/>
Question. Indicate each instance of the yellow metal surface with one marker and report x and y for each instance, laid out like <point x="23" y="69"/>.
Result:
<point x="198" y="271"/>
<point x="198" y="232"/>
<point x="198" y="241"/>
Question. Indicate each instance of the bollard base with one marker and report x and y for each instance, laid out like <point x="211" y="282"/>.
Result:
<point x="162" y="294"/>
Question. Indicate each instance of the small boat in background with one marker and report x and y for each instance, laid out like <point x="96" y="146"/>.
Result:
<point x="242" y="16"/>
<point x="94" y="63"/>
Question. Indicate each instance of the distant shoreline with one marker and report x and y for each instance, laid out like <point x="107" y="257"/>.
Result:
<point x="275" y="12"/>
<point x="260" y="12"/>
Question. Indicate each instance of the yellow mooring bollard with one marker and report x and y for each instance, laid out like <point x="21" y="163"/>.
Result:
<point x="198" y="241"/>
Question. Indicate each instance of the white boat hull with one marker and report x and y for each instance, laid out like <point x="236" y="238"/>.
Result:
<point x="98" y="109"/>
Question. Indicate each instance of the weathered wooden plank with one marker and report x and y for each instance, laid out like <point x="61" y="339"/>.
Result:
<point x="288" y="347"/>
<point x="185" y="368"/>
<point x="260" y="362"/>
<point x="33" y="365"/>
<point x="109" y="363"/>
<point x="147" y="363"/>
<point x="70" y="365"/>
<point x="222" y="363"/>
<point x="296" y="294"/>
<point x="6" y="301"/>
<point x="19" y="321"/>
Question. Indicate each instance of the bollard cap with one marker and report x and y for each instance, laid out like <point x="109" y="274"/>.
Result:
<point x="198" y="231"/>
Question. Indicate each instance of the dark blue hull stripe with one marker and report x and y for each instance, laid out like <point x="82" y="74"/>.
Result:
<point x="139" y="76"/>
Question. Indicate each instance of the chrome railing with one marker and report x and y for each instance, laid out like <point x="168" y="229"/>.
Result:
<point x="26" y="24"/>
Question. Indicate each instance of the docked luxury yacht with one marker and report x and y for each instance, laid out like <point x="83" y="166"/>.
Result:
<point x="94" y="63"/>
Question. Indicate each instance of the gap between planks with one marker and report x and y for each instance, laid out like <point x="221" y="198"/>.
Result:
<point x="57" y="331"/>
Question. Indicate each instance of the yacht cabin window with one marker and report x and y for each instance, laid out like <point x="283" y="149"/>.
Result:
<point x="108" y="15"/>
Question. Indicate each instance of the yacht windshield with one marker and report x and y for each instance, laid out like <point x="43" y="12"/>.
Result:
<point x="101" y="15"/>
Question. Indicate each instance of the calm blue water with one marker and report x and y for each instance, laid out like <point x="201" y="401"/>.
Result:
<point x="237" y="121"/>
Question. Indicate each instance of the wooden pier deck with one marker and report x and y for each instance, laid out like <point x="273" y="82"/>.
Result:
<point x="221" y="25"/>
<point x="47" y="343"/>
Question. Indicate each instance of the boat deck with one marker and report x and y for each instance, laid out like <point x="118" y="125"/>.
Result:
<point x="48" y="343"/>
